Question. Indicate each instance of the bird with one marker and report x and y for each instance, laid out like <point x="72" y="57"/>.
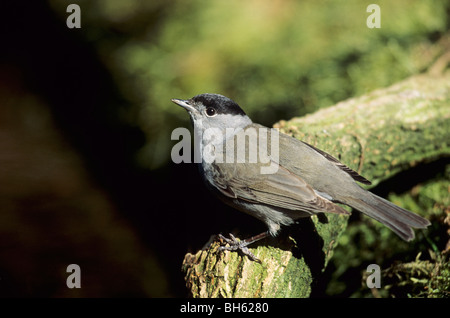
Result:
<point x="300" y="180"/>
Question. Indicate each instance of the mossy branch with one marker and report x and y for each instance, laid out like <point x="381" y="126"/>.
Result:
<point x="378" y="135"/>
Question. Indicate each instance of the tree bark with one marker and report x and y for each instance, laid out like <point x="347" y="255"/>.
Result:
<point x="379" y="134"/>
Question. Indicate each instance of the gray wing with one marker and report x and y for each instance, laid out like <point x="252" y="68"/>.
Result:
<point x="282" y="189"/>
<point x="288" y="142"/>
<point x="355" y="175"/>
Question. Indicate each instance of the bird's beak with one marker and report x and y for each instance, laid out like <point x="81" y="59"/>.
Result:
<point x="184" y="103"/>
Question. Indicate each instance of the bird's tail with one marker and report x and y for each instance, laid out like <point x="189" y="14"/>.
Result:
<point x="399" y="220"/>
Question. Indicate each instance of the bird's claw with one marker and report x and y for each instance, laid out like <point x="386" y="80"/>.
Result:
<point x="235" y="245"/>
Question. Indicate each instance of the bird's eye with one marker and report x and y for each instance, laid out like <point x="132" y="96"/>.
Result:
<point x="210" y="112"/>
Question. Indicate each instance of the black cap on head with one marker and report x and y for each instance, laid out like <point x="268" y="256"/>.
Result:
<point x="222" y="104"/>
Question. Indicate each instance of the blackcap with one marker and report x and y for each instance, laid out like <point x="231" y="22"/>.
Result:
<point x="275" y="177"/>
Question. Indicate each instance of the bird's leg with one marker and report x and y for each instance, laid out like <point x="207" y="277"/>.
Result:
<point x="234" y="244"/>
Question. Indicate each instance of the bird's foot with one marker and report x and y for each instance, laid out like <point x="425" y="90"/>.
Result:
<point x="235" y="245"/>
